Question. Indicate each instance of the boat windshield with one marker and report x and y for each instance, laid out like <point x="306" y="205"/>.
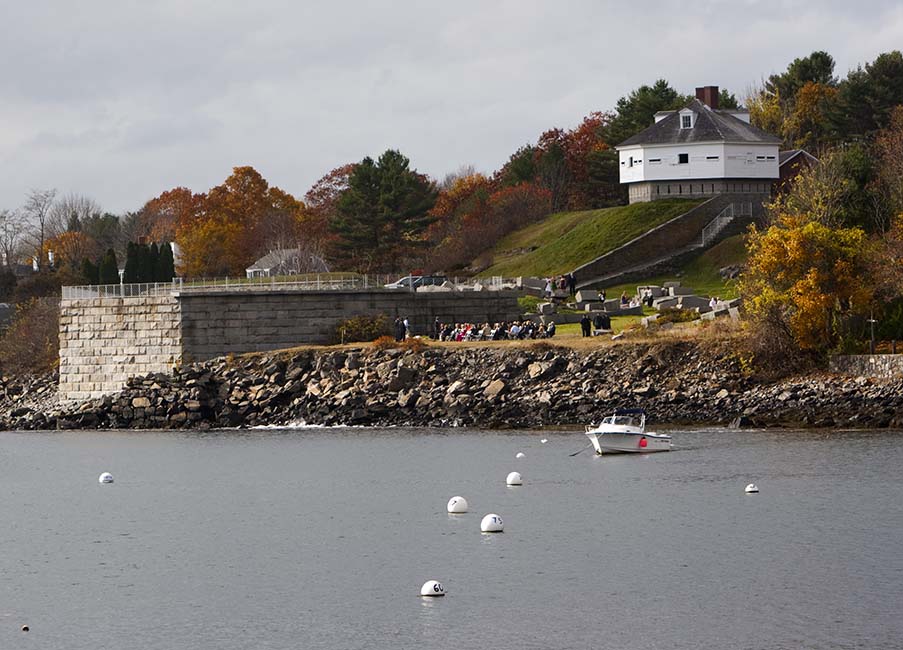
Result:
<point x="622" y="420"/>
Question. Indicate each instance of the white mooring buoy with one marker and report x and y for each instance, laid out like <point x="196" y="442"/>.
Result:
<point x="106" y="477"/>
<point x="520" y="454"/>
<point x="752" y="488"/>
<point x="492" y="523"/>
<point x="457" y="505"/>
<point x="544" y="440"/>
<point x="432" y="588"/>
<point x="514" y="478"/>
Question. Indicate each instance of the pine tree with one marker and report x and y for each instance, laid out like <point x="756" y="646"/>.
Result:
<point x="90" y="272"/>
<point x="109" y="268"/>
<point x="383" y="213"/>
<point x="145" y="273"/>
<point x="154" y="263"/>
<point x="167" y="265"/>
<point x="130" y="274"/>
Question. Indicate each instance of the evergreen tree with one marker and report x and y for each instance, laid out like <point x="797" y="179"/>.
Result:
<point x="383" y="214"/>
<point x="865" y="99"/>
<point x="109" y="268"/>
<point x="142" y="253"/>
<point x="635" y="112"/>
<point x="130" y="273"/>
<point x="167" y="265"/>
<point x="154" y="263"/>
<point x="90" y="272"/>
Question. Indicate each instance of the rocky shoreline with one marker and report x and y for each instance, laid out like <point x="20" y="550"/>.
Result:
<point x="678" y="382"/>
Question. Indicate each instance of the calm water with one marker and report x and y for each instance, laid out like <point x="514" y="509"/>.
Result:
<point x="322" y="538"/>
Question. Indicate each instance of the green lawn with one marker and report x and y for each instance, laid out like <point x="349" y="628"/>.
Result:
<point x="700" y="273"/>
<point x="565" y="240"/>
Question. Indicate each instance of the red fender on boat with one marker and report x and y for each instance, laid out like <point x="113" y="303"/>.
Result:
<point x="643" y="442"/>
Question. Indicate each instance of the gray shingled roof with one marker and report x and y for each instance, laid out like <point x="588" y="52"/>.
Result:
<point x="710" y="126"/>
<point x="790" y="154"/>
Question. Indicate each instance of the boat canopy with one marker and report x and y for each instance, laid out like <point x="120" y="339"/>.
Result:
<point x="630" y="412"/>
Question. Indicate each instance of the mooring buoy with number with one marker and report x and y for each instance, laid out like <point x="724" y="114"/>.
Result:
<point x="492" y="523"/>
<point x="457" y="505"/>
<point x="432" y="588"/>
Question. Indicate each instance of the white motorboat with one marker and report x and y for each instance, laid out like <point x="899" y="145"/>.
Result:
<point x="625" y="432"/>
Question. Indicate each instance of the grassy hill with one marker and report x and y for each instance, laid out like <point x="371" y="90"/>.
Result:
<point x="700" y="273"/>
<point x="563" y="241"/>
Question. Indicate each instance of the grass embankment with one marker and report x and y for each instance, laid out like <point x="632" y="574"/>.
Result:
<point x="701" y="273"/>
<point x="563" y="241"/>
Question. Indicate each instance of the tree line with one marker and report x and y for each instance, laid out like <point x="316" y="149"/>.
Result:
<point x="382" y="215"/>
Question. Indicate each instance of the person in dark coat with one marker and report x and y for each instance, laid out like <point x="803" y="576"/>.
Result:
<point x="585" y="325"/>
<point x="399" y="329"/>
<point x="597" y="322"/>
<point x="437" y="327"/>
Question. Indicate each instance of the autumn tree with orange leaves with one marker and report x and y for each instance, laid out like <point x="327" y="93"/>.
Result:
<point x="232" y="225"/>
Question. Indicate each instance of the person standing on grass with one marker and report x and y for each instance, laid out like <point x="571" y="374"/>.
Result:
<point x="585" y="325"/>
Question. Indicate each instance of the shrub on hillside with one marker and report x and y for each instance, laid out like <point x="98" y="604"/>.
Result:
<point x="674" y="315"/>
<point x="384" y="343"/>
<point x="528" y="304"/>
<point x="39" y="285"/>
<point x="31" y="345"/>
<point x="361" y="328"/>
<point x="415" y="344"/>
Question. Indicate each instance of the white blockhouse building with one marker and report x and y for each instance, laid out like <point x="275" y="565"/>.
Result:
<point x="699" y="151"/>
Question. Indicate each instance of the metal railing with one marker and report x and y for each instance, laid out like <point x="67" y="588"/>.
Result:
<point x="86" y="292"/>
<point x="720" y="222"/>
<point x="311" y="282"/>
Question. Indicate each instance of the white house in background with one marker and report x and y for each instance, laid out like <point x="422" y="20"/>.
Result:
<point x="286" y="261"/>
<point x="699" y="151"/>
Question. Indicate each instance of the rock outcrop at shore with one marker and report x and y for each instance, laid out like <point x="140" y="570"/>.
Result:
<point x="494" y="387"/>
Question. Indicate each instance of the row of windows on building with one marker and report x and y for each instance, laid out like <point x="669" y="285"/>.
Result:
<point x="679" y="189"/>
<point x="684" y="159"/>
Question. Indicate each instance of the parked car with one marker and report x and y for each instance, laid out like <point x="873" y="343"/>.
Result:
<point x="414" y="281"/>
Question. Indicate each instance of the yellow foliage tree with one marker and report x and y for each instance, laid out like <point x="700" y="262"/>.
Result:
<point x="803" y="277"/>
<point x="805" y="127"/>
<point x="222" y="232"/>
<point x="765" y="111"/>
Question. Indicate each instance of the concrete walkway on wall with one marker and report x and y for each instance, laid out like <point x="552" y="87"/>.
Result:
<point x="671" y="242"/>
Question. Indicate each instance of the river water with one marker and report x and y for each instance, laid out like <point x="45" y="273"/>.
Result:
<point x="313" y="538"/>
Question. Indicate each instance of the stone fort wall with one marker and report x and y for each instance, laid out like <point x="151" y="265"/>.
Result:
<point x="104" y="341"/>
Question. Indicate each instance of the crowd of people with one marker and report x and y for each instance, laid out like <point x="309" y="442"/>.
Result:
<point x="504" y="331"/>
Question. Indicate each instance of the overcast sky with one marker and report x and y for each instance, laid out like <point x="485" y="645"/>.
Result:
<point x="120" y="100"/>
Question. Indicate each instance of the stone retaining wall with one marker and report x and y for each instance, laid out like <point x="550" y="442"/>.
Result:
<point x="868" y="365"/>
<point x="215" y="324"/>
<point x="104" y="341"/>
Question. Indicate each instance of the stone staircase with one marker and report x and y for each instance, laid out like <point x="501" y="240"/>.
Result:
<point x="672" y="243"/>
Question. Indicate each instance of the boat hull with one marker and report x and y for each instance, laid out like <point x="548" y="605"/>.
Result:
<point x="628" y="443"/>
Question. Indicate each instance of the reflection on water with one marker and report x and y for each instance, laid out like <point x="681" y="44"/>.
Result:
<point x="321" y="538"/>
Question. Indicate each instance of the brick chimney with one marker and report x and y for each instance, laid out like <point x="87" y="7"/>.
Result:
<point x="708" y="95"/>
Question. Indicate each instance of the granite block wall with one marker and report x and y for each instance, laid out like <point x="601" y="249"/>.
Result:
<point x="885" y="366"/>
<point x="214" y="324"/>
<point x="104" y="341"/>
